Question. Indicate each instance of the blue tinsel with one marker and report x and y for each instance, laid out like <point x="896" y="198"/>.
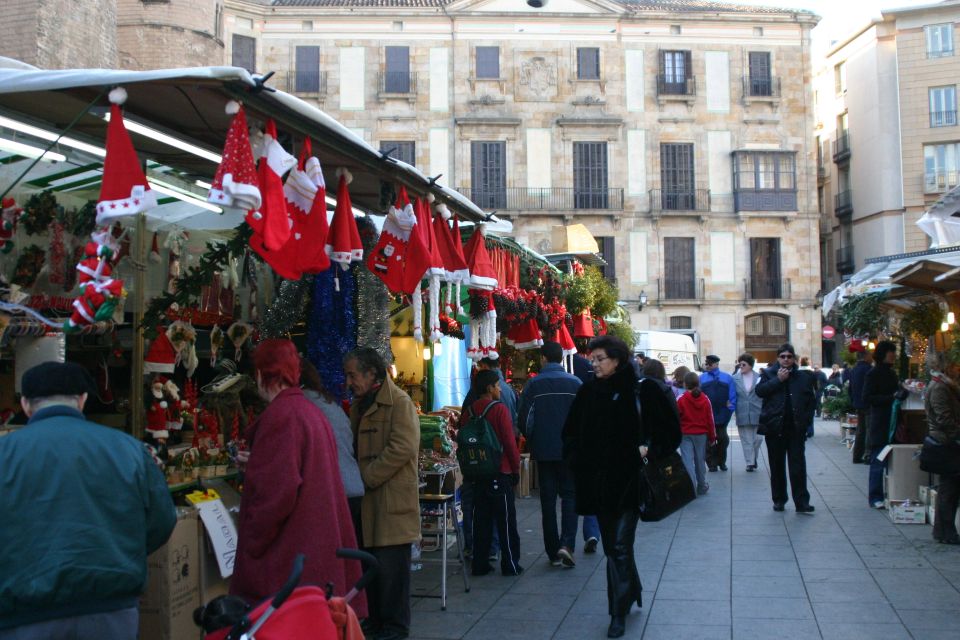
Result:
<point x="332" y="327"/>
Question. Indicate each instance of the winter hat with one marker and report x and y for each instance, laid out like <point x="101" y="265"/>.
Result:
<point x="56" y="379"/>
<point x="454" y="262"/>
<point x="272" y="221"/>
<point x="161" y="356"/>
<point x="389" y="258"/>
<point x="306" y="195"/>
<point x="420" y="262"/>
<point x="566" y="342"/>
<point x="343" y="241"/>
<point x="525" y="335"/>
<point x="123" y="190"/>
<point x="235" y="184"/>
<point x="482" y="273"/>
<point x="425" y="224"/>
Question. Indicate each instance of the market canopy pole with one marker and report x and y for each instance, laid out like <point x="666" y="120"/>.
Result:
<point x="139" y="304"/>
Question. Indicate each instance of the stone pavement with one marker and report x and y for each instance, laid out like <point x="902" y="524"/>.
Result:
<point x="728" y="566"/>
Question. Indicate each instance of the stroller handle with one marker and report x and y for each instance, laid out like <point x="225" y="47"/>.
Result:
<point x="370" y="566"/>
<point x="291" y="582"/>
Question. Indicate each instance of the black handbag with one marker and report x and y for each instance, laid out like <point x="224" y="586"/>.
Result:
<point x="665" y="487"/>
<point x="940" y="458"/>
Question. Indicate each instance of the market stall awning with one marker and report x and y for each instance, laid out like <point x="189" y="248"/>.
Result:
<point x="942" y="220"/>
<point x="187" y="105"/>
<point x="924" y="275"/>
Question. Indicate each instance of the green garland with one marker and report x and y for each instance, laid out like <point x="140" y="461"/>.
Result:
<point x="191" y="282"/>
<point x="861" y="315"/>
<point x="922" y="320"/>
<point x="38" y="212"/>
<point x="80" y="222"/>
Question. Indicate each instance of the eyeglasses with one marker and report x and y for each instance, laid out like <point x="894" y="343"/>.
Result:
<point x="599" y="359"/>
<point x="786" y="356"/>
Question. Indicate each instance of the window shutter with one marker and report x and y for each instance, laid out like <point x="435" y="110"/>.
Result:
<point x="590" y="175"/>
<point x="588" y="63"/>
<point x="678" y="268"/>
<point x="397" y="78"/>
<point x="307" y="70"/>
<point x="488" y="62"/>
<point x="244" y="52"/>
<point x="488" y="171"/>
<point x="405" y="151"/>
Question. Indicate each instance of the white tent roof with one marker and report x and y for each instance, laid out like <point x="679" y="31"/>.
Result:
<point x="942" y="220"/>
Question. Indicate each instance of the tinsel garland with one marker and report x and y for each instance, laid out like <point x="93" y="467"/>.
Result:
<point x="332" y="327"/>
<point x="288" y="308"/>
<point x="58" y="254"/>
<point x="373" y="299"/>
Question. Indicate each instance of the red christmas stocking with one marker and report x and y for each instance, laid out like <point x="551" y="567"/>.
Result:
<point x="386" y="260"/>
<point x="283" y="261"/>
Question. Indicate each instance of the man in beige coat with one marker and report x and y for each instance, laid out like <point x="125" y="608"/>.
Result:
<point x="386" y="433"/>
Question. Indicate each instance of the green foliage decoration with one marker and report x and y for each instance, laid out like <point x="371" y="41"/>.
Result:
<point x="862" y="316"/>
<point x="922" y="320"/>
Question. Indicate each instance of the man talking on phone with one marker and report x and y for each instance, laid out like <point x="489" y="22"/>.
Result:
<point x="789" y="400"/>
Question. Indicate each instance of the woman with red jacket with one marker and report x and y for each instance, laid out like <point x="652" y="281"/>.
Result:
<point x="696" y="423"/>
<point x="493" y="503"/>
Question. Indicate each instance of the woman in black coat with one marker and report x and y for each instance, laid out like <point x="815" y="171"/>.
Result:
<point x="604" y="441"/>
<point x="880" y="387"/>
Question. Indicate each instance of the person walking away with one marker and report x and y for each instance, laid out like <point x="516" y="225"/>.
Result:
<point x="857" y="378"/>
<point x="696" y="424"/>
<point x="942" y="404"/>
<point x="386" y="431"/>
<point x="591" y="529"/>
<point x="544" y="404"/>
<point x="315" y="392"/>
<point x="604" y="442"/>
<point x="880" y="388"/>
<point x="82" y="507"/>
<point x="676" y="381"/>
<point x="822" y="383"/>
<point x="291" y="488"/>
<point x="718" y="386"/>
<point x="748" y="409"/>
<point x="789" y="395"/>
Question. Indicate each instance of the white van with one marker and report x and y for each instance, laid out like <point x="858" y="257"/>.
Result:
<point x="672" y="349"/>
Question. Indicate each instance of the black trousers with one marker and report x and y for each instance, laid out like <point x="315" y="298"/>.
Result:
<point x="617" y="533"/>
<point x="788" y="448"/>
<point x="860" y="437"/>
<point x="388" y="594"/>
<point x="948" y="497"/>
<point x="717" y="454"/>
<point x="494" y="506"/>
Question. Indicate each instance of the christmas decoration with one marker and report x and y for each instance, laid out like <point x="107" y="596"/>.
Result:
<point x="80" y="222"/>
<point x="306" y="195"/>
<point x="216" y="342"/>
<point x="161" y="356"/>
<point x="183" y="337"/>
<point x="155" y="249"/>
<point x="287" y="309"/>
<point x="39" y="211"/>
<point x="238" y="333"/>
<point x="373" y="300"/>
<point x="176" y="241"/>
<point x="99" y="292"/>
<point x="525" y="335"/>
<point x="343" y="241"/>
<point x="331" y="328"/>
<point x="157" y="413"/>
<point x="58" y="254"/>
<point x="235" y="183"/>
<point x="124" y="190"/>
<point x="455" y="264"/>
<point x="271" y="222"/>
<point x="389" y="258"/>
<point x="8" y="224"/>
<point x="28" y="266"/>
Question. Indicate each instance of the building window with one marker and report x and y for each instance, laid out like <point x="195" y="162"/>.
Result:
<point x="676" y="29"/>
<point x="678" y="190"/>
<point x="678" y="269"/>
<point x="608" y="254"/>
<point x="758" y="32"/>
<point x="675" y="73"/>
<point x="397" y="75"/>
<point x="681" y="322"/>
<point x="764" y="181"/>
<point x="488" y="174"/>
<point x="840" y="78"/>
<point x="244" y="52"/>
<point x="943" y="106"/>
<point x="488" y="62"/>
<point x="588" y="63"/>
<point x="590" y="175"/>
<point x="307" y="79"/>
<point x="939" y="40"/>
<point x="405" y="151"/>
<point x="940" y="167"/>
<point x="306" y="25"/>
<point x="765" y="279"/>
<point x="761" y="80"/>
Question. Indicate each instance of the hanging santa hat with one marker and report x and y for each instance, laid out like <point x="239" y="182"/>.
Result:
<point x="565" y="341"/>
<point x="583" y="325"/>
<point x="482" y="273"/>
<point x="343" y="241"/>
<point x="388" y="260"/>
<point x="235" y="184"/>
<point x="272" y="221"/>
<point x="455" y="266"/>
<point x="161" y="357"/>
<point x="123" y="190"/>
<point x="306" y="194"/>
<point x="422" y="243"/>
<point x="525" y="335"/>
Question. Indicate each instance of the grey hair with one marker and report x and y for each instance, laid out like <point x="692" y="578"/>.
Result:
<point x="937" y="360"/>
<point x="368" y="360"/>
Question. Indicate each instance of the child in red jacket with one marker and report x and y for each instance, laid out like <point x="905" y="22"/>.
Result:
<point x="696" y="423"/>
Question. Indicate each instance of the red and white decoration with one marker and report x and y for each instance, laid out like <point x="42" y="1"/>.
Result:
<point x="390" y="258"/>
<point x="271" y="222"/>
<point x="306" y="194"/>
<point x="8" y="224"/>
<point x="235" y="184"/>
<point x="157" y="414"/>
<point x="161" y="357"/>
<point x="525" y="335"/>
<point x="343" y="242"/>
<point x="99" y="291"/>
<point x="483" y="279"/>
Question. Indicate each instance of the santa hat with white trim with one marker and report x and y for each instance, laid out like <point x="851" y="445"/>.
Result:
<point x="235" y="184"/>
<point x="161" y="357"/>
<point x="525" y="335"/>
<point x="482" y="273"/>
<point x="343" y="241"/>
<point x="123" y="190"/>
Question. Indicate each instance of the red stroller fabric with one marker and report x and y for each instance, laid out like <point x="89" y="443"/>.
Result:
<point x="305" y="614"/>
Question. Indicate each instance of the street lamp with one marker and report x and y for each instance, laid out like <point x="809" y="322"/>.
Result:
<point x="643" y="299"/>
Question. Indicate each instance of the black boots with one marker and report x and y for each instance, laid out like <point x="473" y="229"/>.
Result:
<point x="618" y="625"/>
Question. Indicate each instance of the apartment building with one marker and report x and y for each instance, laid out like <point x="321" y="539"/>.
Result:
<point x="887" y="134"/>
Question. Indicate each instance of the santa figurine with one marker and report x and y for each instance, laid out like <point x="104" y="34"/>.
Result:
<point x="157" y="418"/>
<point x="176" y="409"/>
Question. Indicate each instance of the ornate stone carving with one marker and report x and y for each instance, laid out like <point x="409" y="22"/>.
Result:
<point x="537" y="76"/>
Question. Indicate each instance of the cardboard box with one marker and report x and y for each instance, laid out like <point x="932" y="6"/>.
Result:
<point x="173" y="584"/>
<point x="903" y="475"/>
<point x="924" y="491"/>
<point x="907" y="512"/>
<point x="212" y="584"/>
<point x="442" y="482"/>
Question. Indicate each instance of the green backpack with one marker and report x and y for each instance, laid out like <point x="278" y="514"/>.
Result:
<point x="478" y="448"/>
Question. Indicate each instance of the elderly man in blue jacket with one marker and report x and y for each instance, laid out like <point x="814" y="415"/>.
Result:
<point x="718" y="386"/>
<point x="82" y="506"/>
<point x="544" y="404"/>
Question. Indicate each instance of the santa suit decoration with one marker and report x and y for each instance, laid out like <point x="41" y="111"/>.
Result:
<point x="235" y="184"/>
<point x="306" y="195"/>
<point x="8" y="224"/>
<point x="343" y="241"/>
<point x="389" y="258"/>
<point x="99" y="292"/>
<point x="157" y="414"/>
<point x="566" y="344"/>
<point x="525" y="335"/>
<point x="483" y="279"/>
<point x="176" y="407"/>
<point x="124" y="190"/>
<point x="423" y="240"/>
<point x="271" y="222"/>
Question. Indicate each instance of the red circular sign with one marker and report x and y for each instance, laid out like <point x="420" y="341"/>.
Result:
<point x="829" y="332"/>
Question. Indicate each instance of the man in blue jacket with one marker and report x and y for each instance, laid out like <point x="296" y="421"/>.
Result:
<point x="81" y="507"/>
<point x="544" y="404"/>
<point x="718" y="386"/>
<point x="857" y="378"/>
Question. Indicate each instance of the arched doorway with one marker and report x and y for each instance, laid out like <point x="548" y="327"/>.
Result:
<point x="764" y="333"/>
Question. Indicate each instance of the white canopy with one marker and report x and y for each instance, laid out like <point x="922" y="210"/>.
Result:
<point x="942" y="220"/>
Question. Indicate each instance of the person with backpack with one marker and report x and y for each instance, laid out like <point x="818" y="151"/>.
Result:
<point x="489" y="458"/>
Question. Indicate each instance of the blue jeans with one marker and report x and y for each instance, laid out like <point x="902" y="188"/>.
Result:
<point x="693" y="451"/>
<point x="591" y="528"/>
<point x="556" y="480"/>
<point x="875" y="484"/>
<point x="115" y="625"/>
<point x="467" y="491"/>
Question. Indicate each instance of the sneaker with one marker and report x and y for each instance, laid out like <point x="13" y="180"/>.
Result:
<point x="878" y="504"/>
<point x="555" y="562"/>
<point x="566" y="558"/>
<point x="751" y="468"/>
<point x="590" y="546"/>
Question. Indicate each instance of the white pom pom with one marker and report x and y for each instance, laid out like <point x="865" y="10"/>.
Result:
<point x="343" y="171"/>
<point x="163" y="405"/>
<point x="232" y="108"/>
<point x="117" y="95"/>
<point x="431" y="197"/>
<point x="443" y="211"/>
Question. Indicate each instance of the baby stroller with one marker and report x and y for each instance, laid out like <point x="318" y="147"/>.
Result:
<point x="307" y="612"/>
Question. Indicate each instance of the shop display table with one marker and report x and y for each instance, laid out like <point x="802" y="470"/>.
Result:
<point x="442" y="507"/>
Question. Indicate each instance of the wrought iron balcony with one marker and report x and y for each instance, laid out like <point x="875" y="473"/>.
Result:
<point x="679" y="200"/>
<point x="545" y="199"/>
<point x="759" y="88"/>
<point x="307" y="82"/>
<point x="679" y="289"/>
<point x="943" y="118"/>
<point x="843" y="203"/>
<point x="841" y="148"/>
<point x="823" y="172"/>
<point x="669" y="86"/>
<point x="397" y="83"/>
<point x="845" y="262"/>
<point x="766" y="289"/>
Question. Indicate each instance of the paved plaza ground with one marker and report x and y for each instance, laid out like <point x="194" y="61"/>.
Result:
<point x="726" y="567"/>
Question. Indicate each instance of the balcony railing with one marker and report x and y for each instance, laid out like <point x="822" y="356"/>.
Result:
<point x="673" y="86"/>
<point x="754" y="87"/>
<point x="940" y="181"/>
<point x="841" y="148"/>
<point x="766" y="289"/>
<point x="679" y="200"/>
<point x="397" y="83"/>
<point x="822" y="172"/>
<point x="843" y="203"/>
<point x="943" y="118"/>
<point x="845" y="263"/>
<point x="552" y="198"/>
<point x="669" y="289"/>
<point x="314" y="82"/>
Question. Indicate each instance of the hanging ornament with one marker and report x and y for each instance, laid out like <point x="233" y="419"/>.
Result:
<point x="58" y="254"/>
<point x="272" y="222"/>
<point x="373" y="300"/>
<point x="235" y="183"/>
<point x="238" y="333"/>
<point x="287" y="309"/>
<point x="388" y="259"/>
<point x="331" y="328"/>
<point x="306" y="195"/>
<point x="8" y="224"/>
<point x="343" y="241"/>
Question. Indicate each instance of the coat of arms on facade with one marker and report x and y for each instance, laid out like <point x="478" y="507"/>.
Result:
<point x="538" y="77"/>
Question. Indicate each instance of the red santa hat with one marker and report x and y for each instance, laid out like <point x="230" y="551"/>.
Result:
<point x="161" y="356"/>
<point x="455" y="265"/>
<point x="424" y="223"/>
<point x="272" y="221"/>
<point x="235" y="184"/>
<point x="525" y="335"/>
<point x="124" y="190"/>
<point x="306" y="194"/>
<point x="343" y="241"/>
<point x="482" y="273"/>
<point x="565" y="341"/>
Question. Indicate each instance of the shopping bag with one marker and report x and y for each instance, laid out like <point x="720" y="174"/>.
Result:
<point x="665" y="487"/>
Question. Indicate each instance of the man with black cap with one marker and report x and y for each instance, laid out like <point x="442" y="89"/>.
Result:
<point x="789" y="400"/>
<point x="718" y="386"/>
<point x="82" y="506"/>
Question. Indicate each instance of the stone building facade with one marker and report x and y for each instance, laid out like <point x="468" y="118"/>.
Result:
<point x="159" y="34"/>
<point x="59" y="34"/>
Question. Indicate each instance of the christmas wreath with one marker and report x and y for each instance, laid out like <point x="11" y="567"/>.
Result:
<point x="28" y="266"/>
<point x="39" y="211"/>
